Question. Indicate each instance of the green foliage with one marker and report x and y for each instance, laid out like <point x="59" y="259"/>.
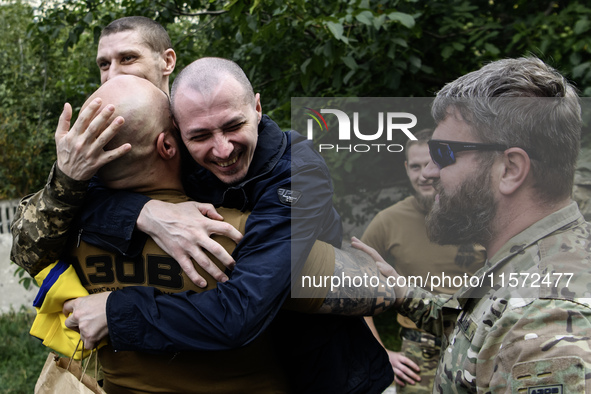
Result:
<point x="317" y="48"/>
<point x="22" y="355"/>
<point x="291" y="48"/>
<point x="35" y="81"/>
<point x="389" y="329"/>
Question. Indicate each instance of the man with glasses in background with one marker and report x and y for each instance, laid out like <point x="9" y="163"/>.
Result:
<point x="503" y="161"/>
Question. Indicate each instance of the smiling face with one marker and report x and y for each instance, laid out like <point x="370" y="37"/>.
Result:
<point x="219" y="127"/>
<point x="125" y="53"/>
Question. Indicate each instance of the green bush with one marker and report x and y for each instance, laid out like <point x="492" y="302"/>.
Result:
<point x="21" y="355"/>
<point x="292" y="48"/>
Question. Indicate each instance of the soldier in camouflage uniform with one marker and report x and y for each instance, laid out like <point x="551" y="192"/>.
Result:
<point x="534" y="335"/>
<point x="504" y="169"/>
<point x="398" y="233"/>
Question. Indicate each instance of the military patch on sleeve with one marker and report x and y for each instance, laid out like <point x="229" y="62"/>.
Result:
<point x="557" y="375"/>
<point x="288" y="197"/>
<point x="551" y="389"/>
<point x="467" y="325"/>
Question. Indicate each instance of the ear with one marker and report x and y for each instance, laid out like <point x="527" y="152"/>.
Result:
<point x="169" y="57"/>
<point x="258" y="108"/>
<point x="515" y="168"/>
<point x="166" y="146"/>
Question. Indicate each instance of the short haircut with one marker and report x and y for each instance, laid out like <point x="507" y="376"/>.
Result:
<point x="205" y="74"/>
<point x="521" y="103"/>
<point x="152" y="32"/>
<point x="422" y="137"/>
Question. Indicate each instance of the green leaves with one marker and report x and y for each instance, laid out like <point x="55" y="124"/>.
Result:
<point x="404" y="19"/>
<point x="366" y="17"/>
<point x="288" y="48"/>
<point x="582" y="26"/>
<point x="337" y="30"/>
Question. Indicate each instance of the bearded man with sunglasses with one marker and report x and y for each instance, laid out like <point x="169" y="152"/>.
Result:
<point x="399" y="234"/>
<point x="503" y="158"/>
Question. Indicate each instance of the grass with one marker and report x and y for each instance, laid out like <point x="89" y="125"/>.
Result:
<point x="21" y="356"/>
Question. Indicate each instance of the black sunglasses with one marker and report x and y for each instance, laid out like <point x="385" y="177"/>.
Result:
<point x="443" y="153"/>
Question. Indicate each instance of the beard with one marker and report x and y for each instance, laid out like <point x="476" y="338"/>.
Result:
<point x="425" y="202"/>
<point x="465" y="216"/>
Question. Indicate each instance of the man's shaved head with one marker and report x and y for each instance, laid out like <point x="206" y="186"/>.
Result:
<point x="146" y="111"/>
<point x="205" y="74"/>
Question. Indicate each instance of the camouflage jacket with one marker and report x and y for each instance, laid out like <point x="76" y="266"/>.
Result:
<point x="41" y="225"/>
<point x="523" y="323"/>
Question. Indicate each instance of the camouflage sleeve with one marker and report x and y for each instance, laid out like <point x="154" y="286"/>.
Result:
<point x="426" y="310"/>
<point x="42" y="220"/>
<point x="356" y="287"/>
<point x="544" y="348"/>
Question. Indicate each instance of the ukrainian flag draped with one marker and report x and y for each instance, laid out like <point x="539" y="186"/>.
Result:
<point x="58" y="283"/>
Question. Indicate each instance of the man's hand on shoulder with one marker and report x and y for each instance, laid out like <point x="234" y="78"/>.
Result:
<point x="386" y="269"/>
<point x="183" y="231"/>
<point x="80" y="150"/>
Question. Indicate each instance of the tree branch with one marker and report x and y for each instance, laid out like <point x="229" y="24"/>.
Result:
<point x="218" y="12"/>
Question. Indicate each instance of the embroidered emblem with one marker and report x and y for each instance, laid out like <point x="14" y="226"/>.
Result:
<point x="288" y="197"/>
<point x="467" y="326"/>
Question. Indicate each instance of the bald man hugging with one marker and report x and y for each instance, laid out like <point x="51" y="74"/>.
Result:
<point x="152" y="167"/>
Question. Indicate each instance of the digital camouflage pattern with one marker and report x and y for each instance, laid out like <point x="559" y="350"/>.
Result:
<point x="50" y="211"/>
<point x="533" y="336"/>
<point x="423" y="350"/>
